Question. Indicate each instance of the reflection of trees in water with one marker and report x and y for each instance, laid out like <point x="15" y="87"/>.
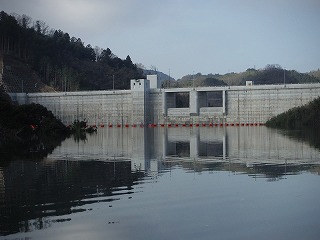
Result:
<point x="308" y="135"/>
<point x="272" y="172"/>
<point x="275" y="172"/>
<point x="35" y="192"/>
<point x="36" y="148"/>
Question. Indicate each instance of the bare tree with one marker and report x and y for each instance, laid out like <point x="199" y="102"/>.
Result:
<point x="24" y="20"/>
<point x="154" y="68"/>
<point x="273" y="66"/>
<point x="141" y="66"/>
<point x="97" y="51"/>
<point x="41" y="27"/>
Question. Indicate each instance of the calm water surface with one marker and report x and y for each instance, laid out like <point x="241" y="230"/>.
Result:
<point x="175" y="183"/>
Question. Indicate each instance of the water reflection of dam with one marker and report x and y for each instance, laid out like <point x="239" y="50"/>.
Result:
<point x="195" y="143"/>
<point x="147" y="149"/>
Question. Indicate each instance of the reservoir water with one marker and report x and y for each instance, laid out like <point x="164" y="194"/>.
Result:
<point x="166" y="183"/>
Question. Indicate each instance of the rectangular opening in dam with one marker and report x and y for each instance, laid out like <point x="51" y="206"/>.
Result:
<point x="214" y="99"/>
<point x="182" y="100"/>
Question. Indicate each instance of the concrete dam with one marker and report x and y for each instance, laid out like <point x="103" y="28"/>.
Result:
<point x="147" y="103"/>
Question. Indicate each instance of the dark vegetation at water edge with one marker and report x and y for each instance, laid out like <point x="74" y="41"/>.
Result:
<point x="34" y="53"/>
<point x="298" y="118"/>
<point x="31" y="131"/>
<point x="28" y="130"/>
<point x="80" y="129"/>
<point x="304" y="120"/>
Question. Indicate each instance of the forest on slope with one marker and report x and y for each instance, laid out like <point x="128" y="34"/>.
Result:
<point x="299" y="118"/>
<point x="59" y="61"/>
<point x="271" y="74"/>
<point x="300" y="122"/>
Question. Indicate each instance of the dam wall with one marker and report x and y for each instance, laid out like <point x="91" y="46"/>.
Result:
<point x="146" y="103"/>
<point x="257" y="104"/>
<point x="94" y="106"/>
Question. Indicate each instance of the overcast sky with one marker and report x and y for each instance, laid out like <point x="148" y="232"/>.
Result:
<point x="186" y="36"/>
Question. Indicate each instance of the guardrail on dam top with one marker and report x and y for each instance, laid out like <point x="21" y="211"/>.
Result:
<point x="146" y="103"/>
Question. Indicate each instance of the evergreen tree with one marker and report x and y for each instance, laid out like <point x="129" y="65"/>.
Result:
<point x="61" y="61"/>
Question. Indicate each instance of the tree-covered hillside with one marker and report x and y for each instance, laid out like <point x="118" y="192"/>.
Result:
<point x="299" y="118"/>
<point x="315" y="74"/>
<point x="271" y="74"/>
<point x="275" y="74"/>
<point x="198" y="81"/>
<point x="59" y="60"/>
<point x="302" y="122"/>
